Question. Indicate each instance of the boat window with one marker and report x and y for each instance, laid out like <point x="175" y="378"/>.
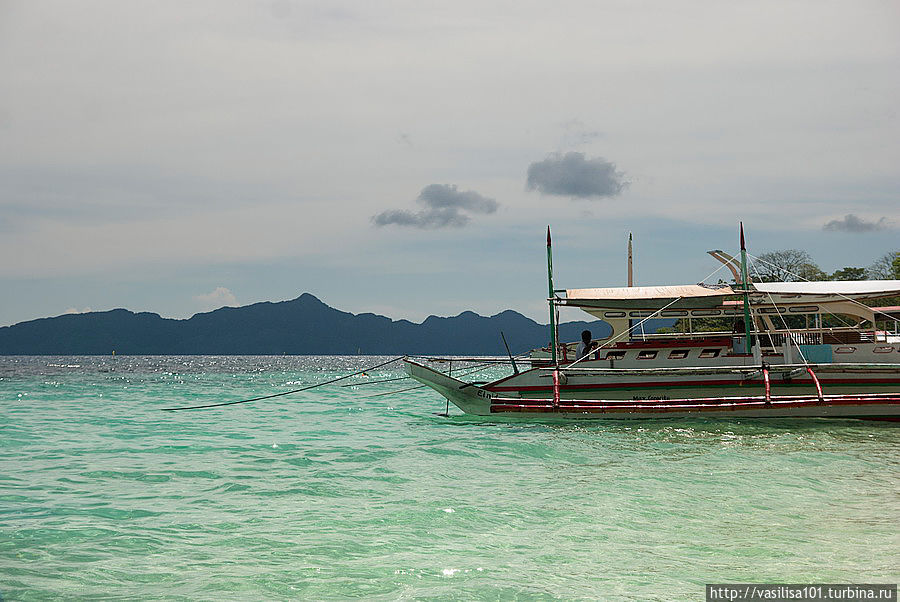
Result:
<point x="884" y="349"/>
<point x="647" y="355"/>
<point x="845" y="349"/>
<point x="678" y="354"/>
<point x="710" y="353"/>
<point x="672" y="313"/>
<point x="733" y="312"/>
<point x="705" y="312"/>
<point x="614" y="314"/>
<point x="615" y="355"/>
<point x="641" y="314"/>
<point x="768" y="310"/>
<point x="804" y="309"/>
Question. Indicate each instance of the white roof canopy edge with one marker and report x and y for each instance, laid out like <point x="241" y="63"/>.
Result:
<point x="839" y="295"/>
<point x="860" y="288"/>
<point x="685" y="291"/>
<point x="875" y="288"/>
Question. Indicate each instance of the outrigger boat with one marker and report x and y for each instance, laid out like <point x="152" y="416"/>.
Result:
<point x="766" y="367"/>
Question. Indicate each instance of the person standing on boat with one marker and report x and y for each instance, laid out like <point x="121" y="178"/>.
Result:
<point x="738" y="333"/>
<point x="586" y="345"/>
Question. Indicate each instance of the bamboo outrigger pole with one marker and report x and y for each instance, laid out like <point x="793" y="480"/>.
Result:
<point x="550" y="297"/>
<point x="745" y="285"/>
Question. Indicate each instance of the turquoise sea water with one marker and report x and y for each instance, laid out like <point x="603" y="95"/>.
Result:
<point x="337" y="493"/>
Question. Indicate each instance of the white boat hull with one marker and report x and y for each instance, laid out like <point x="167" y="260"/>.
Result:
<point x="730" y="400"/>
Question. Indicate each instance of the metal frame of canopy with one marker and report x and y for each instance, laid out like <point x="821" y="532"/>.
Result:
<point x="765" y="301"/>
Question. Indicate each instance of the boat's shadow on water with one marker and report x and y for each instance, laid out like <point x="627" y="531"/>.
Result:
<point x="611" y="443"/>
<point x="717" y="425"/>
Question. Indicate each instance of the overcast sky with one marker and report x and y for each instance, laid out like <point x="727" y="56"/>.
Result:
<point x="406" y="157"/>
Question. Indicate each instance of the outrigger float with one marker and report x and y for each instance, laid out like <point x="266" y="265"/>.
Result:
<point x="769" y="366"/>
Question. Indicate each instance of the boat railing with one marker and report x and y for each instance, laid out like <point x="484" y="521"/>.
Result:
<point x="818" y="336"/>
<point x="750" y="372"/>
<point x="776" y="338"/>
<point x="770" y="340"/>
<point x="664" y="336"/>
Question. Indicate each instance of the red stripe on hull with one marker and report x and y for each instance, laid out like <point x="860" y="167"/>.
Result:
<point x="690" y="405"/>
<point x="702" y="383"/>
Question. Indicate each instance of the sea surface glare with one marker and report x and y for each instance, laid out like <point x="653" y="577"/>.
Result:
<point x="363" y="492"/>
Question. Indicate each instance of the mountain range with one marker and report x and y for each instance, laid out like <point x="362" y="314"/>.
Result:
<point x="301" y="326"/>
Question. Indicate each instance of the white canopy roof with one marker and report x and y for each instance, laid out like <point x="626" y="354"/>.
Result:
<point x="695" y="296"/>
<point x="647" y="297"/>
<point x="648" y="292"/>
<point x="867" y="288"/>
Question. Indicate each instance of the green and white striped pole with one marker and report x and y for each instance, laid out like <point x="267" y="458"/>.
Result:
<point x="550" y="297"/>
<point x="746" y="285"/>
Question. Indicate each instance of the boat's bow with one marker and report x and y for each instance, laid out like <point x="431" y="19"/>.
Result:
<point x="468" y="397"/>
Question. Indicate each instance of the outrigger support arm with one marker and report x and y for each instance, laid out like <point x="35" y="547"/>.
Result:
<point x="816" y="382"/>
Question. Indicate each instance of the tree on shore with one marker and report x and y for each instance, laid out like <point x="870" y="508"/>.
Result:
<point x="788" y="265"/>
<point x="850" y="274"/>
<point x="886" y="267"/>
<point x="791" y="265"/>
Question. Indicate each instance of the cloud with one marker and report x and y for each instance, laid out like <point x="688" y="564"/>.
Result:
<point x="576" y="133"/>
<point x="576" y="176"/>
<point x="75" y="310"/>
<point x="220" y="297"/>
<point x="429" y="218"/>
<point x="446" y="196"/>
<point x="445" y="207"/>
<point x="852" y="223"/>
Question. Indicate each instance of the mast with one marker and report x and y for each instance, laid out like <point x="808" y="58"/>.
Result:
<point x="745" y="283"/>
<point x="630" y="270"/>
<point x="550" y="297"/>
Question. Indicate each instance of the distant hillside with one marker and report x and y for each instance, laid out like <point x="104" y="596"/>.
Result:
<point x="302" y="326"/>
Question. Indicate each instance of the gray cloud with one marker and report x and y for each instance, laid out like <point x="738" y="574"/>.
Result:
<point x="445" y="207"/>
<point x="445" y="196"/>
<point x="428" y="218"/>
<point x="576" y="133"/>
<point x="574" y="175"/>
<point x="852" y="223"/>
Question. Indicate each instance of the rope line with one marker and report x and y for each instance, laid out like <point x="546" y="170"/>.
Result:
<point x="397" y="391"/>
<point x="483" y="362"/>
<point x="307" y="388"/>
<point x="375" y="382"/>
<point x="477" y="368"/>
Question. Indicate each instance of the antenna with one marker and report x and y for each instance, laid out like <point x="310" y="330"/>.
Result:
<point x="630" y="263"/>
